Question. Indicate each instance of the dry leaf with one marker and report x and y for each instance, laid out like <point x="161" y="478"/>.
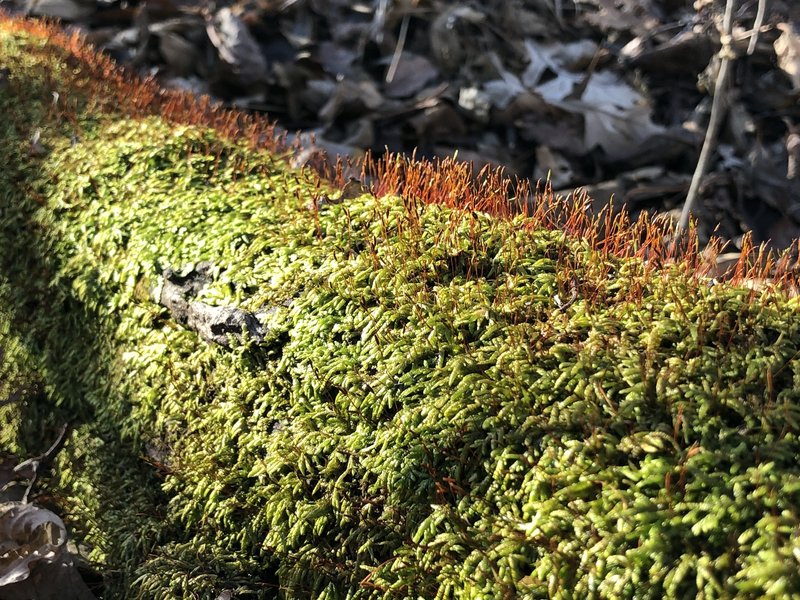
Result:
<point x="335" y="58"/>
<point x="34" y="562"/>
<point x="178" y="52"/>
<point x="553" y="167"/>
<point x="412" y="74"/>
<point x="617" y="117"/>
<point x="69" y="10"/>
<point x="236" y="46"/>
<point x="447" y="35"/>
<point x="352" y="98"/>
<point x="28" y="535"/>
<point x="787" y="49"/>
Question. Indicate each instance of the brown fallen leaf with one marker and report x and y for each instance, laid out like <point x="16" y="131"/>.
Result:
<point x="351" y="97"/>
<point x="236" y="46"/>
<point x="34" y="562"/>
<point x="69" y="10"/>
<point x="412" y="74"/>
<point x="787" y="51"/>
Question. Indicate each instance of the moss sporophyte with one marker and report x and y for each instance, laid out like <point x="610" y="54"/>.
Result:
<point x="441" y="399"/>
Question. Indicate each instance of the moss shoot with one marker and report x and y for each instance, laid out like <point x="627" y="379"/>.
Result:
<point x="446" y="405"/>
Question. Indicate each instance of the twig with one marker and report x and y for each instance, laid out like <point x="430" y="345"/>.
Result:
<point x="398" y="51"/>
<point x="379" y="20"/>
<point x="18" y="394"/>
<point x="12" y="398"/>
<point x="37" y="462"/>
<point x="726" y="55"/>
<point x="762" y="8"/>
<point x="792" y="151"/>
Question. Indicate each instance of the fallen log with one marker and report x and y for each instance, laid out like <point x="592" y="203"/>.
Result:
<point x="405" y="395"/>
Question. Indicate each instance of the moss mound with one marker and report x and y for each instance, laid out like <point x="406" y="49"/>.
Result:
<point x="444" y="405"/>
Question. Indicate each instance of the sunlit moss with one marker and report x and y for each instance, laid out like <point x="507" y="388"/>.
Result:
<point x="448" y="405"/>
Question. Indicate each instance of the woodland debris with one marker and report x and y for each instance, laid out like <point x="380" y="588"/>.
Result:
<point x="34" y="561"/>
<point x="586" y="90"/>
<point x="215" y="324"/>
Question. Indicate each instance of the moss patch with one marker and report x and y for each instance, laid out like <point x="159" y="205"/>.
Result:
<point x="431" y="416"/>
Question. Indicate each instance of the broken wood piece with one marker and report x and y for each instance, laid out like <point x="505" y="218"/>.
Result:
<point x="216" y="324"/>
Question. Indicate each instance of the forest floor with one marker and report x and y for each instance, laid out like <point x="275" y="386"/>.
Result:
<point x="607" y="96"/>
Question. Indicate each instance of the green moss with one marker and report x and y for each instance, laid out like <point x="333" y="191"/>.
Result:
<point x="424" y="420"/>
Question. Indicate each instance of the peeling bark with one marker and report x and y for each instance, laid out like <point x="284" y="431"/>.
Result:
<point x="216" y="324"/>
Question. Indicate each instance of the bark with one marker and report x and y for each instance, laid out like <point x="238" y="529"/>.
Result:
<point x="220" y="325"/>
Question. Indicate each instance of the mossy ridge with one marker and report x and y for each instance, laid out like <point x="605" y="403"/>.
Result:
<point x="429" y="422"/>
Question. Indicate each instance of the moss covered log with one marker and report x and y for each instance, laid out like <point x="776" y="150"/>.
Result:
<point x="438" y="403"/>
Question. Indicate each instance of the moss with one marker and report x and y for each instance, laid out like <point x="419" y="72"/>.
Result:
<point x="432" y="416"/>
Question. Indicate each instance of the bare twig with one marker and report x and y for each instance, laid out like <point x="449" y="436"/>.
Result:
<point x="379" y="20"/>
<point x="762" y="9"/>
<point x="727" y="56"/>
<point x="33" y="465"/>
<point x="398" y="51"/>
<point x="12" y="398"/>
<point x="19" y="394"/>
<point x="792" y="150"/>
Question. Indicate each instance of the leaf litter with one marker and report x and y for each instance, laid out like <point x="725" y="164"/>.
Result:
<point x="608" y="96"/>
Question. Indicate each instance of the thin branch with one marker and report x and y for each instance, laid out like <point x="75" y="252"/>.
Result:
<point x="715" y="120"/>
<point x="19" y="394"/>
<point x="39" y="462"/>
<point x="762" y="9"/>
<point x="398" y="50"/>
